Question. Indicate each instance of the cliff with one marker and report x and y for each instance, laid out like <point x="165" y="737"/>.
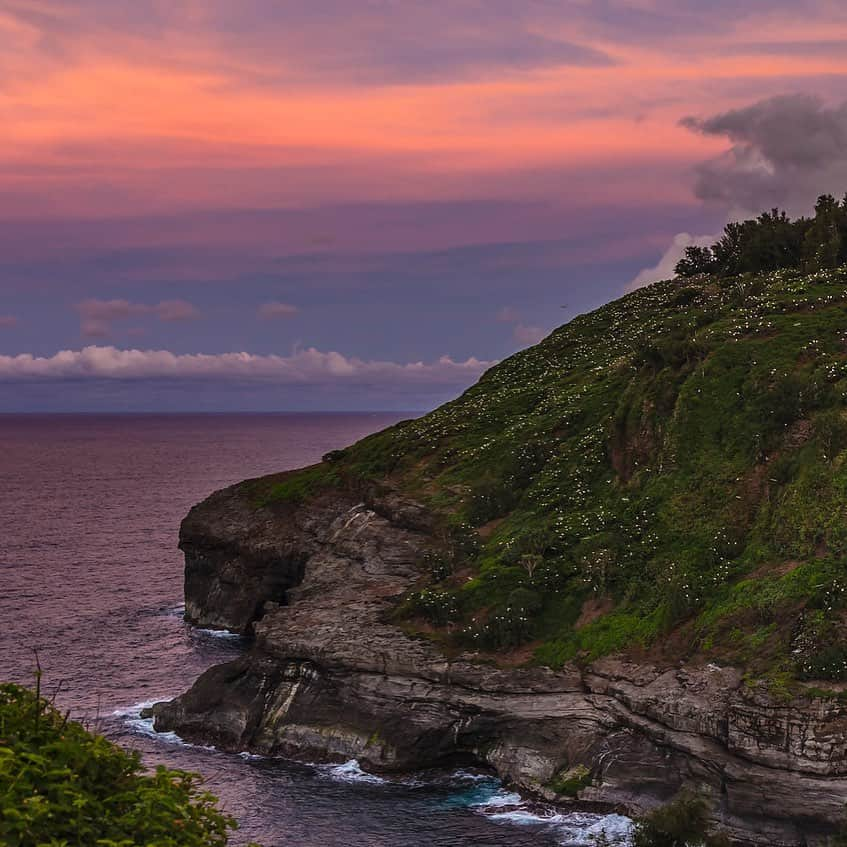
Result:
<point x="611" y="569"/>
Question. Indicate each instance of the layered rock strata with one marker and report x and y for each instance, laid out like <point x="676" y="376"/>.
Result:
<point x="329" y="678"/>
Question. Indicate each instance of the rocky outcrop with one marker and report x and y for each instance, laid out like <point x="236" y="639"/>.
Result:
<point x="329" y="678"/>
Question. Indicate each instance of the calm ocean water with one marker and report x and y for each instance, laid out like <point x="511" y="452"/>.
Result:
<point x="90" y="577"/>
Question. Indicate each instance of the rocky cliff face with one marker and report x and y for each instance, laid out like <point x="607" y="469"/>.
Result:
<point x="329" y="678"/>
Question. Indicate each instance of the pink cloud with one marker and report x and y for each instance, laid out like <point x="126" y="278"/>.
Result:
<point x="8" y="321"/>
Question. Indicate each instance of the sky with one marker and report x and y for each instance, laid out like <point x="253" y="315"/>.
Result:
<point x="290" y="205"/>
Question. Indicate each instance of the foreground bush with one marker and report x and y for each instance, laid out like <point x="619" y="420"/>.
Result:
<point x="684" y="822"/>
<point x="62" y="785"/>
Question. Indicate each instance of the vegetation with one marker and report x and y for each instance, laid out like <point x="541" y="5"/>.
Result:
<point x="773" y="241"/>
<point x="684" y="822"/>
<point x="665" y="475"/>
<point x="61" y="785"/>
<point x="571" y="781"/>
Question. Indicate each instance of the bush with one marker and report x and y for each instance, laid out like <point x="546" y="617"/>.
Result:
<point x="489" y="499"/>
<point x="438" y="563"/>
<point x="62" y="785"/>
<point x="570" y="781"/>
<point x="684" y="822"/>
<point x="526" y="601"/>
<point x="438" y="607"/>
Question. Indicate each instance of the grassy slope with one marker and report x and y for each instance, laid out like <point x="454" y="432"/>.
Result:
<point x="665" y="474"/>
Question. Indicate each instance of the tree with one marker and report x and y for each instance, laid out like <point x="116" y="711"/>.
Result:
<point x="774" y="241"/>
<point x="822" y="246"/>
<point x="696" y="260"/>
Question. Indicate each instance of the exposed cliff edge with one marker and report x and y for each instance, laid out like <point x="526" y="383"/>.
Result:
<point x="615" y="566"/>
<point x="329" y="679"/>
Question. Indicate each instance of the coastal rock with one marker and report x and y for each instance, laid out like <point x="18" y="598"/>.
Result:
<point x="330" y="678"/>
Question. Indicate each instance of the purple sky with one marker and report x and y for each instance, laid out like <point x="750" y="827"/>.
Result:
<point x="326" y="205"/>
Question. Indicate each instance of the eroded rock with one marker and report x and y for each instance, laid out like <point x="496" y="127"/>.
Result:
<point x="329" y="679"/>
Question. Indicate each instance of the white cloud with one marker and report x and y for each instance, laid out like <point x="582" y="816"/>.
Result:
<point x="665" y="267"/>
<point x="275" y="309"/>
<point x="97" y="316"/>
<point x="303" y="367"/>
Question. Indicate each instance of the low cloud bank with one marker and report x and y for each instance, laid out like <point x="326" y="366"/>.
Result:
<point x="303" y="367"/>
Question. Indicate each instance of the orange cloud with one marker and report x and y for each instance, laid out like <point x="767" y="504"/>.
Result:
<point x="128" y="119"/>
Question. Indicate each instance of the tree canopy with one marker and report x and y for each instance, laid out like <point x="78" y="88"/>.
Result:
<point x="774" y="241"/>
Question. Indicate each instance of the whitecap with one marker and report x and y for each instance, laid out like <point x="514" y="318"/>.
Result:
<point x="523" y="817"/>
<point x="131" y="717"/>
<point x="351" y="771"/>
<point x="498" y="798"/>
<point x="221" y="633"/>
<point x="471" y="776"/>
<point x="572" y="829"/>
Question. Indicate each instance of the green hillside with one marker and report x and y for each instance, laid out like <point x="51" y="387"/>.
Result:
<point x="665" y="475"/>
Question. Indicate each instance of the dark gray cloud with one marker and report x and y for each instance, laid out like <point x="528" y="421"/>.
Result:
<point x="785" y="151"/>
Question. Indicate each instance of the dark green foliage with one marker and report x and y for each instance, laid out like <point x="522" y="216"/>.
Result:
<point x="61" y="785"/>
<point x="772" y="242"/>
<point x="334" y="456"/>
<point x="570" y="781"/>
<point x="489" y="499"/>
<point x="508" y="627"/>
<point x="439" y="564"/>
<point x="684" y="822"/>
<point x="438" y="607"/>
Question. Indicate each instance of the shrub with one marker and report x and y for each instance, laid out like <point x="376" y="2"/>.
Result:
<point x="525" y="601"/>
<point x="438" y="607"/>
<point x="570" y="781"/>
<point x="438" y="563"/>
<point x="61" y="785"/>
<point x="489" y="499"/>
<point x="684" y="822"/>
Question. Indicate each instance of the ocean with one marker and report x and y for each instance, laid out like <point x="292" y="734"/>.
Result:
<point x="91" y="584"/>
